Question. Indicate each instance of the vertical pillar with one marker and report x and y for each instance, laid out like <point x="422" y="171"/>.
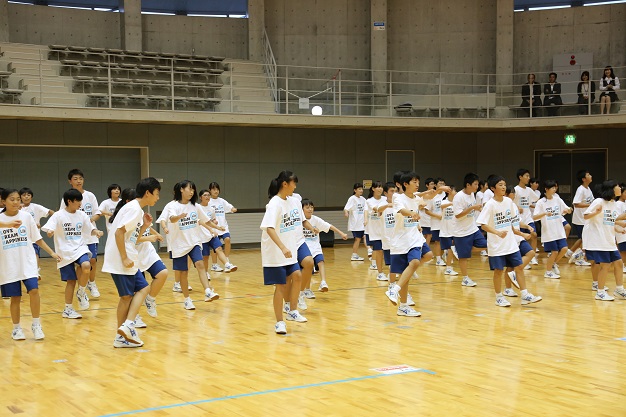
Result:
<point x="378" y="55"/>
<point x="256" y="25"/>
<point x="4" y="21"/>
<point x="504" y="48"/>
<point x="130" y="25"/>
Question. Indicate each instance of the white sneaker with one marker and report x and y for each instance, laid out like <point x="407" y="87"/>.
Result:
<point x="93" y="289"/>
<point x="120" y="342"/>
<point x="534" y="261"/>
<point x="502" y="302"/>
<point x="576" y="256"/>
<point x="513" y="276"/>
<point x="294" y="315"/>
<point x="582" y="262"/>
<point x="302" y="302"/>
<point x="139" y="323"/>
<point x="176" y="287"/>
<point x="210" y="295"/>
<point x="151" y="306"/>
<point x="409" y="300"/>
<point x="440" y="262"/>
<point x="527" y="267"/>
<point x="83" y="300"/>
<point x="594" y="286"/>
<point x="551" y="274"/>
<point x="370" y="251"/>
<point x="509" y="292"/>
<point x="286" y="308"/>
<point x="323" y="286"/>
<point x="392" y="295"/>
<point x="216" y="268"/>
<point x="454" y="252"/>
<point x="408" y="311"/>
<point x="373" y="266"/>
<point x="382" y="277"/>
<point x="230" y="267"/>
<point x="189" y="304"/>
<point x="18" y="334"/>
<point x="603" y="296"/>
<point x="70" y="313"/>
<point x="309" y="294"/>
<point x="483" y="253"/>
<point x="356" y="257"/>
<point x="129" y="333"/>
<point x="467" y="282"/>
<point x="450" y="271"/>
<point x="621" y="294"/>
<point x="280" y="327"/>
<point x="208" y="276"/>
<point x="529" y="298"/>
<point x="568" y="253"/>
<point x="37" y="331"/>
<point x="556" y="270"/>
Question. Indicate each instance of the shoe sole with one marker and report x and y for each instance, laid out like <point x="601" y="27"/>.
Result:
<point x="281" y="332"/>
<point x="554" y="277"/>
<point x="124" y="345"/>
<point x="72" y="318"/>
<point x="409" y="315"/>
<point x="190" y="309"/>
<point x="524" y="302"/>
<point x="324" y="289"/>
<point x="503" y="305"/>
<point x="469" y="285"/>
<point x="209" y="299"/>
<point x="129" y="339"/>
<point x="604" y="299"/>
<point x="230" y="270"/>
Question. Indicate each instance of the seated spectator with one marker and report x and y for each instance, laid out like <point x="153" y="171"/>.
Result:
<point x="585" y="90"/>
<point x="552" y="95"/>
<point x="531" y="93"/>
<point x="609" y="83"/>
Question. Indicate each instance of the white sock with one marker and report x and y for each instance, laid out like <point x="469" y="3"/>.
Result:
<point x="404" y="304"/>
<point x="129" y="323"/>
<point x="438" y="258"/>
<point x="81" y="289"/>
<point x="17" y="326"/>
<point x="620" y="287"/>
<point x="499" y="295"/>
<point x="68" y="306"/>
<point x="37" y="321"/>
<point x="524" y="292"/>
<point x="150" y="298"/>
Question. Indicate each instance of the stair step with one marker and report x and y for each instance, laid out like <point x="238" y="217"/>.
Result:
<point x="51" y="101"/>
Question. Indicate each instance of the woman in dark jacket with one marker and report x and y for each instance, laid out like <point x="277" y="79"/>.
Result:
<point x="585" y="90"/>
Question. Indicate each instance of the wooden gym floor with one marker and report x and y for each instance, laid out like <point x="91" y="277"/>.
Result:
<point x="563" y="356"/>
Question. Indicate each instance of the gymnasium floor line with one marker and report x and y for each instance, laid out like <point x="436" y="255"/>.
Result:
<point x="265" y="392"/>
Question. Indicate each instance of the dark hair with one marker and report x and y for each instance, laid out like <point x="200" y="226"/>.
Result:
<point x="470" y="178"/>
<point x="429" y="180"/>
<point x="396" y="179"/>
<point x="439" y="179"/>
<point x="204" y="190"/>
<point x="127" y="195"/>
<point x="548" y="184"/>
<point x="408" y="176"/>
<point x="622" y="186"/>
<point x="72" y="195"/>
<point x="583" y="74"/>
<point x="6" y="192"/>
<point x="375" y="184"/>
<point x="597" y="190"/>
<point x="552" y="73"/>
<point x="178" y="194"/>
<point x="356" y="185"/>
<point x="73" y="172"/>
<point x="606" y="68"/>
<point x="528" y="76"/>
<point x="481" y="183"/>
<point x="521" y="172"/>
<point x="388" y="185"/>
<point x="277" y="183"/>
<point x="495" y="180"/>
<point x="149" y="184"/>
<point x="534" y="180"/>
<point x="307" y="202"/>
<point x="26" y="190"/>
<point x="581" y="174"/>
<point x="113" y="187"/>
<point x="214" y="185"/>
<point x="510" y="189"/>
<point x="607" y="191"/>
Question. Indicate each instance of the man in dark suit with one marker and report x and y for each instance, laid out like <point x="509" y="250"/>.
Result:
<point x="528" y="95"/>
<point x="552" y="95"/>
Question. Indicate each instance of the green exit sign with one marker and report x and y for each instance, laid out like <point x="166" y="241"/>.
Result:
<point x="570" y="139"/>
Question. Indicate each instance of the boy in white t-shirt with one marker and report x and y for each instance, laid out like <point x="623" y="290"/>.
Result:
<point x="582" y="199"/>
<point x="434" y="210"/>
<point x="387" y="215"/>
<point x="446" y="233"/>
<point x="354" y="210"/>
<point x="524" y="198"/>
<point x="496" y="219"/>
<point x="70" y="227"/>
<point x="121" y="260"/>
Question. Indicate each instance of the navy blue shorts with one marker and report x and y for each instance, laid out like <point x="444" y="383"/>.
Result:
<point x="358" y="233"/>
<point x="376" y="244"/>
<point x="387" y="256"/>
<point x="524" y="248"/>
<point x="14" y="289"/>
<point x="303" y="252"/>
<point x="426" y="231"/>
<point x="278" y="274"/>
<point x="129" y="284"/>
<point x="367" y="240"/>
<point x="400" y="262"/>
<point x="155" y="268"/>
<point x="578" y="228"/>
<point x="531" y="224"/>
<point x="214" y="244"/>
<point x="621" y="247"/>
<point x="435" y="235"/>
<point x="37" y="249"/>
<point x="180" y="264"/>
<point x="603" y="256"/>
<point x="501" y="262"/>
<point x="464" y="244"/>
<point x="565" y="223"/>
<point x="93" y="248"/>
<point x="555" y="245"/>
<point x="318" y="258"/>
<point x="445" y="242"/>
<point x="224" y="236"/>
<point x="68" y="272"/>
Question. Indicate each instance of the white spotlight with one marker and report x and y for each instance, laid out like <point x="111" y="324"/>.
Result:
<point x="316" y="111"/>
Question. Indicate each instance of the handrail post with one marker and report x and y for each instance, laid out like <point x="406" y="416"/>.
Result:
<point x="488" y="104"/>
<point x="109" y="79"/>
<point x="40" y="81"/>
<point x="390" y="94"/>
<point x="339" y="92"/>
<point x="232" y="72"/>
<point x="287" y="90"/>
<point x="172" y="83"/>
<point x="439" y="95"/>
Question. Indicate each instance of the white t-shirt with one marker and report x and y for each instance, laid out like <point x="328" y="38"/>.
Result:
<point x="311" y="239"/>
<point x="499" y="215"/>
<point x="552" y="223"/>
<point x="479" y="197"/>
<point x="406" y="232"/>
<point x="146" y="254"/>
<point x="70" y="234"/>
<point x="516" y="225"/>
<point x="164" y="217"/>
<point x="465" y="225"/>
<point x="487" y="195"/>
<point x="17" y="257"/>
<point x="374" y="223"/>
<point x="37" y="211"/>
<point x="296" y="201"/>
<point x="221" y="207"/>
<point x="434" y="206"/>
<point x="356" y="208"/>
<point x="205" y="234"/>
<point x="599" y="232"/>
<point x="388" y="218"/>
<point x="90" y="207"/>
<point x="284" y="217"/>
<point x="107" y="206"/>
<point x="621" y="209"/>
<point x="448" y="221"/>
<point x="583" y="195"/>
<point x="524" y="197"/>
<point x="129" y="218"/>
<point x="185" y="233"/>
